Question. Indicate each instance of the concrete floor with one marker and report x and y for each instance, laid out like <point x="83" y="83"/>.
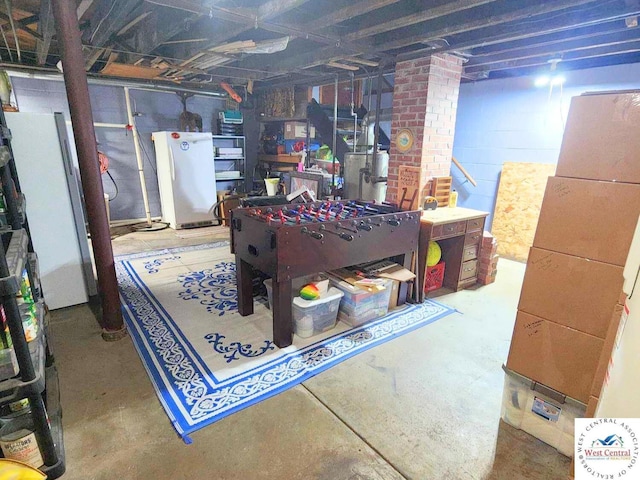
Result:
<point x="423" y="406"/>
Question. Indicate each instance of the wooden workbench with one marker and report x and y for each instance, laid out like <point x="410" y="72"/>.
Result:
<point x="458" y="231"/>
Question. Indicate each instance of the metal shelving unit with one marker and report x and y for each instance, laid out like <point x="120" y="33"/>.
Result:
<point x="37" y="379"/>
<point x="230" y="162"/>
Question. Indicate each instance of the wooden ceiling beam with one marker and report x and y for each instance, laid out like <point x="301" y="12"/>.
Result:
<point x="536" y="10"/>
<point x="510" y="33"/>
<point x="18" y="26"/>
<point x="134" y="22"/>
<point x="275" y="8"/>
<point x="46" y="28"/>
<point x="584" y="33"/>
<point x="632" y="46"/>
<point x="109" y="18"/>
<point x="290" y="62"/>
<point x="245" y="20"/>
<point x="31" y="19"/>
<point x="353" y="10"/>
<point x="557" y="50"/>
<point x="83" y="7"/>
<point x="419" y="17"/>
<point x="155" y="29"/>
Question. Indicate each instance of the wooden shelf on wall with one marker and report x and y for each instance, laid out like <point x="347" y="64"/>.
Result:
<point x="282" y="158"/>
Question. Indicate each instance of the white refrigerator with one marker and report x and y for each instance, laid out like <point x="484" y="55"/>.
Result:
<point x="55" y="213"/>
<point x="186" y="178"/>
<point x="620" y="396"/>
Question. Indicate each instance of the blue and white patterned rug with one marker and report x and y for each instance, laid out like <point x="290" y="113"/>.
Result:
<point x="204" y="359"/>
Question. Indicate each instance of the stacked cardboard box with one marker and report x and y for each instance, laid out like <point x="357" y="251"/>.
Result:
<point x="488" y="259"/>
<point x="574" y="272"/>
<point x="605" y="356"/>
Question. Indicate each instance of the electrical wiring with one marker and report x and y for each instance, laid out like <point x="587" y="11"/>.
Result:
<point x="113" y="4"/>
<point x="155" y="226"/>
<point x="144" y="150"/>
<point x="114" y="184"/>
<point x="4" y="37"/>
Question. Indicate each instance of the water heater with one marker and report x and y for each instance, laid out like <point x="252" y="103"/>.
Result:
<point x="359" y="179"/>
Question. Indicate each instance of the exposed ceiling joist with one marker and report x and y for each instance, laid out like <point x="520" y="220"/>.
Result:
<point x="481" y="23"/>
<point x="83" y="7"/>
<point x="578" y="54"/>
<point x="361" y="61"/>
<point x="186" y="5"/>
<point x="134" y="22"/>
<point x="353" y="10"/>
<point x="490" y="33"/>
<point x="46" y="28"/>
<point x="31" y="19"/>
<point x="555" y="50"/>
<point x="422" y="16"/>
<point x="343" y="66"/>
<point x="20" y="26"/>
<point x="508" y="34"/>
<point x="578" y="33"/>
<point x="111" y="17"/>
<point x="92" y="57"/>
<point x="321" y="56"/>
<point x="246" y="20"/>
<point x="275" y="8"/>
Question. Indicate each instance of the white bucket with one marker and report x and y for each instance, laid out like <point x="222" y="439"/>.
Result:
<point x="272" y="186"/>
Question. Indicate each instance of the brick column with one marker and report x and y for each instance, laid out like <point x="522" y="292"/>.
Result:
<point x="425" y="100"/>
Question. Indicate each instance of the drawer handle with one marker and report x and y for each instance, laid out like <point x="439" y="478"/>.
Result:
<point x="469" y="269"/>
<point x="449" y="229"/>
<point x="475" y="237"/>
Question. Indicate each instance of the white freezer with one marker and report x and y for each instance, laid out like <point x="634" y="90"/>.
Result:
<point x="186" y="178"/>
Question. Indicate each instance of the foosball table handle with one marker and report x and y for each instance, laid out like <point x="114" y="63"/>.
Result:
<point x="311" y="233"/>
<point x="363" y="226"/>
<point x="344" y="236"/>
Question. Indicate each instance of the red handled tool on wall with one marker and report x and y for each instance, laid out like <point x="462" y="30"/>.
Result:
<point x="232" y="93"/>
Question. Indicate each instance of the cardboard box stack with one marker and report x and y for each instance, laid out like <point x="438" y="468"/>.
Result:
<point x="573" y="278"/>
<point x="605" y="356"/>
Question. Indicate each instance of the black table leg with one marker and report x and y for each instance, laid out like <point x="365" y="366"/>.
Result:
<point x="282" y="315"/>
<point x="244" y="284"/>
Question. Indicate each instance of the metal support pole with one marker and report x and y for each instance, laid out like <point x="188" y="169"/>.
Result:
<point x="376" y="133"/>
<point x="136" y="145"/>
<point x="335" y="130"/>
<point x="75" y="76"/>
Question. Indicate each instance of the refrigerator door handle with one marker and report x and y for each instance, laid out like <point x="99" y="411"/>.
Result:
<point x="172" y="166"/>
<point x="66" y="158"/>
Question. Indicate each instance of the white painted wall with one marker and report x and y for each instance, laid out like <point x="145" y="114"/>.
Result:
<point x="510" y="120"/>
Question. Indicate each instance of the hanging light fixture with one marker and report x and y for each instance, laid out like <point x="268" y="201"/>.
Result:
<point x="553" y="79"/>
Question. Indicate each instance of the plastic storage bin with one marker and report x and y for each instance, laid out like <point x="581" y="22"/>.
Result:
<point x="311" y="317"/>
<point x="8" y="363"/>
<point x="540" y="411"/>
<point x="434" y="277"/>
<point x="359" y="306"/>
<point x="296" y="285"/>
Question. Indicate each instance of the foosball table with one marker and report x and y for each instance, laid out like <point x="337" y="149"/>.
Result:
<point x="294" y="240"/>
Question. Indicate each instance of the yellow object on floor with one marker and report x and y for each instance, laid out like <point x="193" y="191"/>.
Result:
<point x="15" y="470"/>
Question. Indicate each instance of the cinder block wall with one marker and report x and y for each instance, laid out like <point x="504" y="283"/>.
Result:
<point x="510" y="120"/>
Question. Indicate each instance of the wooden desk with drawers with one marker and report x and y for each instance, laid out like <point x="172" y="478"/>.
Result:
<point x="458" y="231"/>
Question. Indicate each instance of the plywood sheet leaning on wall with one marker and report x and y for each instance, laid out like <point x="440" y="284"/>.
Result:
<point x="518" y="205"/>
